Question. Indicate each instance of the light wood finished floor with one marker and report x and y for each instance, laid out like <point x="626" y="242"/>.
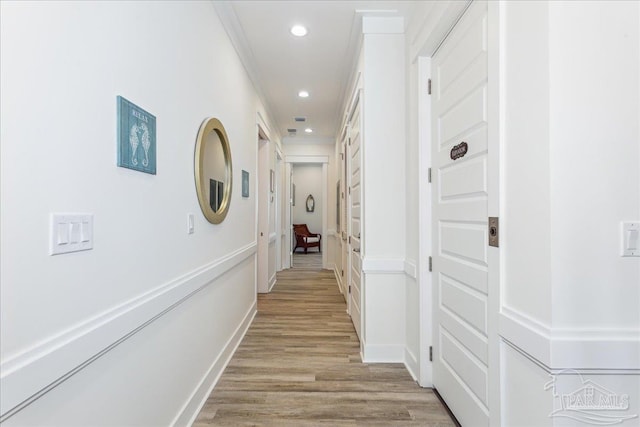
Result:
<point x="299" y="365"/>
<point x="309" y="260"/>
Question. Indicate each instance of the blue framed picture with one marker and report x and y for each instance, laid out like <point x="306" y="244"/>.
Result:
<point x="245" y="183"/>
<point x="136" y="137"/>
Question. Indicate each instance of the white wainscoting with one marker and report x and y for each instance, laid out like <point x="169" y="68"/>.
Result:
<point x="373" y="353"/>
<point x="390" y="353"/>
<point x="32" y="373"/>
<point x="384" y="289"/>
<point x="196" y="401"/>
<point x="530" y="396"/>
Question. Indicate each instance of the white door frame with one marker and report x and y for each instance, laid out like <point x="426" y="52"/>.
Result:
<point x="324" y="161"/>
<point x="425" y="288"/>
<point x="278" y="208"/>
<point x="261" y="182"/>
<point x="288" y="235"/>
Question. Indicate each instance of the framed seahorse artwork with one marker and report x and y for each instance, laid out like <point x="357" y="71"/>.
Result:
<point x="136" y="137"/>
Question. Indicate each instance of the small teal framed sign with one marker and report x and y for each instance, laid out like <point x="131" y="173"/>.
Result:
<point x="136" y="137"/>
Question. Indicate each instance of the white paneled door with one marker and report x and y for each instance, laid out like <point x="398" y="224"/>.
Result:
<point x="354" y="154"/>
<point x="460" y="178"/>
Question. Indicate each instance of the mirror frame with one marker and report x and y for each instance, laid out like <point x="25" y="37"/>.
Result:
<point x="212" y="124"/>
<point x="310" y="204"/>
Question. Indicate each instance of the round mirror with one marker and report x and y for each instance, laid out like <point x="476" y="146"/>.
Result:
<point x="213" y="170"/>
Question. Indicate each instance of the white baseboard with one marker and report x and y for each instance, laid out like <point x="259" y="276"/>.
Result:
<point x="411" y="363"/>
<point x="339" y="279"/>
<point x="272" y="282"/>
<point x="196" y="401"/>
<point x="32" y="373"/>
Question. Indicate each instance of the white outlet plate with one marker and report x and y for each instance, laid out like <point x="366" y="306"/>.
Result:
<point x="70" y="233"/>
<point x="630" y="239"/>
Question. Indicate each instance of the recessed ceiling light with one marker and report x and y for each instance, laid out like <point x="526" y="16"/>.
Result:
<point x="308" y="130"/>
<point x="303" y="94"/>
<point x="299" y="31"/>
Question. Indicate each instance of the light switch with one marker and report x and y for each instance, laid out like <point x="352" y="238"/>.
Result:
<point x="631" y="239"/>
<point x="70" y="233"/>
<point x="85" y="232"/>
<point x="74" y="232"/>
<point x="190" y="226"/>
<point x="63" y="232"/>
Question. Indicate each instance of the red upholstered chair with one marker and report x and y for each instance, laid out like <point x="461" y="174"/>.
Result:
<point x="306" y="239"/>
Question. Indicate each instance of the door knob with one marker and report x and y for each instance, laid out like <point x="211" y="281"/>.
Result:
<point x="357" y="250"/>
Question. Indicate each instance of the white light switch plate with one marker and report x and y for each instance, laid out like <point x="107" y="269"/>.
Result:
<point x="631" y="239"/>
<point x="190" y="221"/>
<point x="70" y="233"/>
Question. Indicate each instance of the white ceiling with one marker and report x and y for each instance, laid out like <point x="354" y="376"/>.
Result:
<point x="321" y="62"/>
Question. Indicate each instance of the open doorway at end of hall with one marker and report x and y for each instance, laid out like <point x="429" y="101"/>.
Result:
<point x="308" y="213"/>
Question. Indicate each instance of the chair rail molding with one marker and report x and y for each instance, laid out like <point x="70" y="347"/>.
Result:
<point x="593" y="349"/>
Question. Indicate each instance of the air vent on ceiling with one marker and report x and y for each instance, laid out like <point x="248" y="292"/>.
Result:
<point x="300" y="119"/>
<point x="292" y="131"/>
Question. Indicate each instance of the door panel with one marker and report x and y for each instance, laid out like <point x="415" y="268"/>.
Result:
<point x="464" y="180"/>
<point x="471" y="373"/>
<point x="460" y="206"/>
<point x="466" y="115"/>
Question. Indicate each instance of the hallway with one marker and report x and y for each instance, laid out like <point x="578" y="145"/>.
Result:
<point x="299" y="364"/>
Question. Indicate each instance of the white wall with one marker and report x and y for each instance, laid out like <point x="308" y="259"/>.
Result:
<point x="308" y="181"/>
<point x="384" y="201"/>
<point x="62" y="66"/>
<point x="589" y="198"/>
<point x="527" y="217"/>
<point x="572" y="174"/>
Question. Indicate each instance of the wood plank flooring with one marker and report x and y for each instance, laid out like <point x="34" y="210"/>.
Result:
<point x="311" y="260"/>
<point x="299" y="365"/>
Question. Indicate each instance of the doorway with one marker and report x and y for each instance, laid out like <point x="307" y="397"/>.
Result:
<point x="298" y="197"/>
<point x="263" y="201"/>
<point x="267" y="199"/>
<point x="306" y="215"/>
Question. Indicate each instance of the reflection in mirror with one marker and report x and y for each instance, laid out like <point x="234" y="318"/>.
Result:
<point x="213" y="170"/>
